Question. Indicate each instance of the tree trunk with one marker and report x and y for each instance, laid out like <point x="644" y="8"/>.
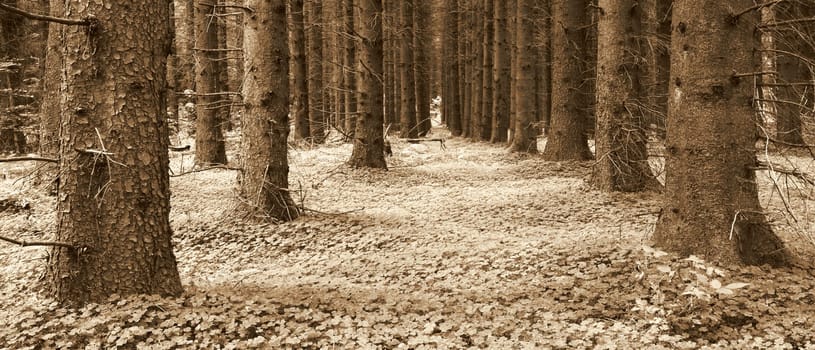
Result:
<point x="466" y="32"/>
<point x="221" y="65"/>
<point x="369" y="142"/>
<point x="512" y="8"/>
<point x="567" y="136"/>
<point x="50" y="105"/>
<point x="452" y="99"/>
<point x="620" y="140"/>
<point x="210" y="147"/>
<point x="12" y="139"/>
<point x="421" y="55"/>
<point x="300" y="73"/>
<point x="793" y="73"/>
<point x="349" y="78"/>
<point x="114" y="186"/>
<point x="265" y="177"/>
<point x="185" y="44"/>
<point x="316" y="114"/>
<point x="502" y="71"/>
<point x="543" y="66"/>
<point x="407" y="127"/>
<point x="711" y="199"/>
<point x="487" y="39"/>
<point x="525" y="138"/>
<point x="235" y="71"/>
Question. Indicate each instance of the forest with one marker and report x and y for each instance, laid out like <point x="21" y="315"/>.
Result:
<point x="415" y="174"/>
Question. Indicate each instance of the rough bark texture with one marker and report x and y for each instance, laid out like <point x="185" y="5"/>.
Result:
<point x="543" y="66"/>
<point x="300" y="71"/>
<point x="620" y="140"/>
<point x="114" y="207"/>
<point x="235" y="71"/>
<point x="502" y="71"/>
<point x="185" y="44"/>
<point x="476" y="42"/>
<point x="421" y="55"/>
<point x="314" y="54"/>
<point x="390" y="63"/>
<point x="369" y="141"/>
<point x="210" y="147"/>
<point x="452" y="97"/>
<point x="49" y="107"/>
<point x="466" y="47"/>
<point x="265" y="177"/>
<point x="711" y="200"/>
<point x="525" y="138"/>
<point x="407" y="123"/>
<point x="567" y="136"/>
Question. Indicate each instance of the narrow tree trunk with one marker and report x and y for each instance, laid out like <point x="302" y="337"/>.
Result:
<point x="300" y="73"/>
<point x="317" y="120"/>
<point x="567" y="137"/>
<point x="265" y="176"/>
<point x="114" y="186"/>
<point x="711" y="199"/>
<point x="235" y="71"/>
<point x="465" y="29"/>
<point x="525" y="138"/>
<point x="223" y="102"/>
<point x="790" y="42"/>
<point x="407" y="127"/>
<point x="452" y="100"/>
<point x="502" y="71"/>
<point x="349" y="63"/>
<point x="210" y="147"/>
<point x="543" y="66"/>
<point x="369" y="142"/>
<point x="421" y="55"/>
<point x="512" y="8"/>
<point x="487" y="39"/>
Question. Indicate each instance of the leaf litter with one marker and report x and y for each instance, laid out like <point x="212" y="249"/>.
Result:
<point x="468" y="247"/>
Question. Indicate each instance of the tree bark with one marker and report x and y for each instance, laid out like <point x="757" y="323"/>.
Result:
<point x="790" y="53"/>
<point x="300" y="73"/>
<point x="49" y="107"/>
<point x="452" y="98"/>
<point x="316" y="105"/>
<point x="525" y="138"/>
<point x="349" y="74"/>
<point x="502" y="71"/>
<point x="407" y="127"/>
<point x="487" y="39"/>
<point x="711" y="199"/>
<point x="620" y="140"/>
<point x="567" y="136"/>
<point x="369" y="141"/>
<point x="265" y="176"/>
<point x="210" y="147"/>
<point x="421" y="55"/>
<point x="114" y="186"/>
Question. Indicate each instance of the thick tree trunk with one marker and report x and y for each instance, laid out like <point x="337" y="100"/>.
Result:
<point x="314" y="48"/>
<point x="210" y="147"/>
<point x="421" y="55"/>
<point x="525" y="138"/>
<point x="502" y="71"/>
<point x="711" y="198"/>
<point x="300" y="73"/>
<point x="265" y="177"/>
<point x="620" y="140"/>
<point x="567" y="136"/>
<point x="369" y="142"/>
<point x="114" y="184"/>
<point x="407" y="124"/>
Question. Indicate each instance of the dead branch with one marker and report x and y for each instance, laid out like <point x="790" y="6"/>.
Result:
<point x="179" y="148"/>
<point x="23" y="159"/>
<point x="205" y="169"/>
<point x="756" y="7"/>
<point x="37" y="243"/>
<point x="760" y="165"/>
<point x="440" y="141"/>
<point x="38" y="17"/>
<point x="334" y="214"/>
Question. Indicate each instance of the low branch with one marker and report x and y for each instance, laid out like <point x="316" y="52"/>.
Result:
<point x="756" y="7"/>
<point x="23" y="159"/>
<point x="34" y="16"/>
<point x="786" y="171"/>
<point x="37" y="243"/>
<point x="205" y="169"/>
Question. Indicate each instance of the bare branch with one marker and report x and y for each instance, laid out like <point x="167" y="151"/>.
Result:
<point x="34" y="16"/>
<point x="22" y="159"/>
<point x="36" y="243"/>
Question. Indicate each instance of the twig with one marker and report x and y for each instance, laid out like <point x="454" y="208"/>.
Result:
<point x="756" y="7"/>
<point x="37" y="243"/>
<point x="34" y="16"/>
<point x="22" y="159"/>
<point x="781" y="170"/>
<point x="326" y="213"/>
<point x="205" y="169"/>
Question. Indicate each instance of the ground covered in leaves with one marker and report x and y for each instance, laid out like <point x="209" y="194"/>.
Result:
<point x="463" y="247"/>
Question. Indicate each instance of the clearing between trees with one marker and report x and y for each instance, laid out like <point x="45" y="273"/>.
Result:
<point x="467" y="246"/>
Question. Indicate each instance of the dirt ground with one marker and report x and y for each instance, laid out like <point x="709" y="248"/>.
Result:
<point x="461" y="246"/>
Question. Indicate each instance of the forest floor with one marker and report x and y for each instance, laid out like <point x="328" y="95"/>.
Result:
<point x="463" y="247"/>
